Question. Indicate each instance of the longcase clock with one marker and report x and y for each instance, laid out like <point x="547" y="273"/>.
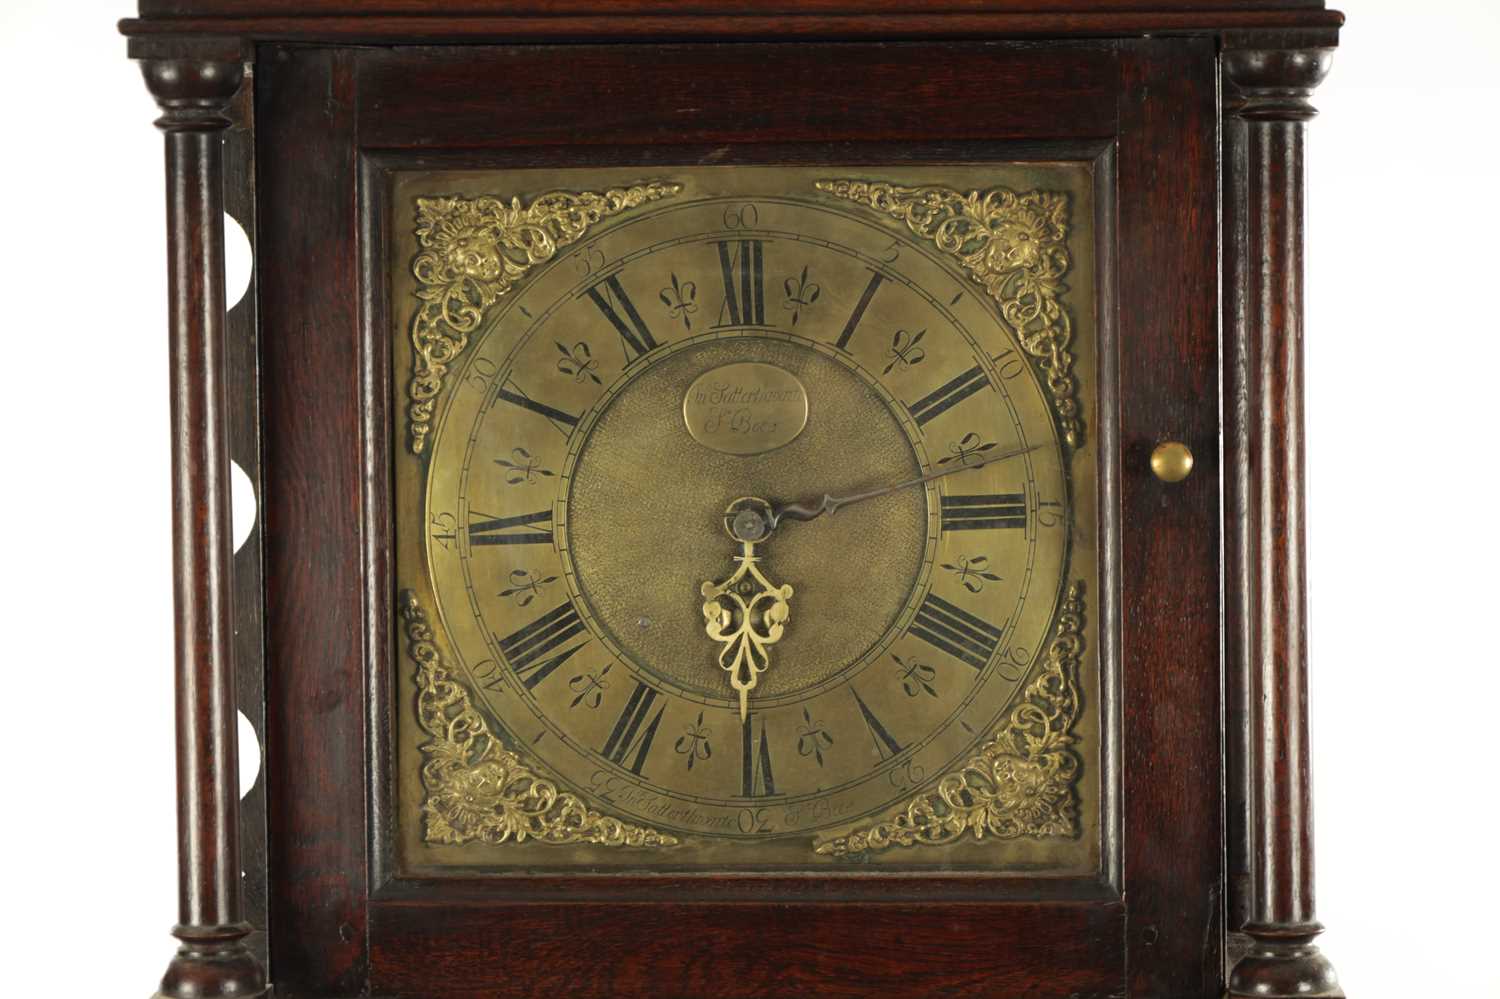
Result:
<point x="802" y="503"/>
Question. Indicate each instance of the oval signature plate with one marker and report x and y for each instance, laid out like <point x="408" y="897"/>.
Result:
<point x="745" y="408"/>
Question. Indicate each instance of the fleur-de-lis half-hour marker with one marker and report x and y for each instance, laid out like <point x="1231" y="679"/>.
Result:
<point x="525" y="586"/>
<point x="801" y="294"/>
<point x="521" y="468"/>
<point x="812" y="738"/>
<point x="904" y="351"/>
<point x="972" y="572"/>
<point x="578" y="362"/>
<point x="693" y="742"/>
<point x="681" y="301"/>
<point x="967" y="447"/>
<point x="916" y="678"/>
<point x="588" y="689"/>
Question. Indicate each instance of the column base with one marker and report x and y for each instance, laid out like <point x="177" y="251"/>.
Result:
<point x="1283" y="963"/>
<point x="213" y="963"/>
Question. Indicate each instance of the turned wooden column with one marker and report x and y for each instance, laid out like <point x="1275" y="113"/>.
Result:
<point x="193" y="81"/>
<point x="1268" y="82"/>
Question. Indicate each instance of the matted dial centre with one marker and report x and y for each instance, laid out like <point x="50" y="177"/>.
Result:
<point x="647" y="523"/>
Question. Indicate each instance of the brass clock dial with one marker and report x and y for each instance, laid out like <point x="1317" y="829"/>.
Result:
<point x="747" y="515"/>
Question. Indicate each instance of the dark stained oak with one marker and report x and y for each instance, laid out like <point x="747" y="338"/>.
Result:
<point x="784" y="8"/>
<point x="193" y="89"/>
<point x="1167" y="390"/>
<point x="687" y="95"/>
<point x="1270" y="804"/>
<point x="315" y="659"/>
<point x="1206" y="836"/>
<point x="242" y="373"/>
<point x="747" y="22"/>
<point x="685" y="951"/>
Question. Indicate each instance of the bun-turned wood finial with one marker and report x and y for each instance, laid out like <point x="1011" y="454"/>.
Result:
<point x="192" y="79"/>
<point x="1272" y="76"/>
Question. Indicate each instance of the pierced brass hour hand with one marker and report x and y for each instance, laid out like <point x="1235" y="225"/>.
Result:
<point x="746" y="613"/>
<point x="813" y="509"/>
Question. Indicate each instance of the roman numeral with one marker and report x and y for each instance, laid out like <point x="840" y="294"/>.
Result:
<point x="955" y="631"/>
<point x="562" y="422"/>
<point x="488" y="531"/>
<point x="859" y="310"/>
<point x="525" y="648"/>
<point x="539" y="669"/>
<point x="756" y="777"/>
<point x="886" y="745"/>
<point x="634" y="334"/>
<point x="744" y="283"/>
<point x="945" y="398"/>
<point x="632" y="733"/>
<point x="984" y="513"/>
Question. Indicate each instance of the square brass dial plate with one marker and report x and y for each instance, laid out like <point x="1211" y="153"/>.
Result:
<point x="570" y="608"/>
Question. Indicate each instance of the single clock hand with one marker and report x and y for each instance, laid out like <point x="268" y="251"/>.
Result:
<point x="831" y="504"/>
<point x="746" y="613"/>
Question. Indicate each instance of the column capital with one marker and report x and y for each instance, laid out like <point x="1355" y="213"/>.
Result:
<point x="1271" y="75"/>
<point x="192" y="79"/>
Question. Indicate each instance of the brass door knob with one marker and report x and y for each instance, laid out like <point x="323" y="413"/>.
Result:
<point x="1172" y="461"/>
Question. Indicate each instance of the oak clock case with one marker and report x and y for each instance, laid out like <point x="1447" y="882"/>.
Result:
<point x="633" y="633"/>
<point x="572" y="682"/>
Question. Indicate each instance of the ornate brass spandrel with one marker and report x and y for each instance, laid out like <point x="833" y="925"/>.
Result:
<point x="1020" y="782"/>
<point x="1014" y="245"/>
<point x="473" y="251"/>
<point x="479" y="791"/>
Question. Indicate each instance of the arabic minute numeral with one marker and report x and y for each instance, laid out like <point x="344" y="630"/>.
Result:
<point x="1012" y="666"/>
<point x="489" y="675"/>
<point x="1049" y="513"/>
<point x="482" y="371"/>
<point x="588" y="260"/>
<point x="1009" y="364"/>
<point x="745" y="216"/>
<point x="445" y="530"/>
